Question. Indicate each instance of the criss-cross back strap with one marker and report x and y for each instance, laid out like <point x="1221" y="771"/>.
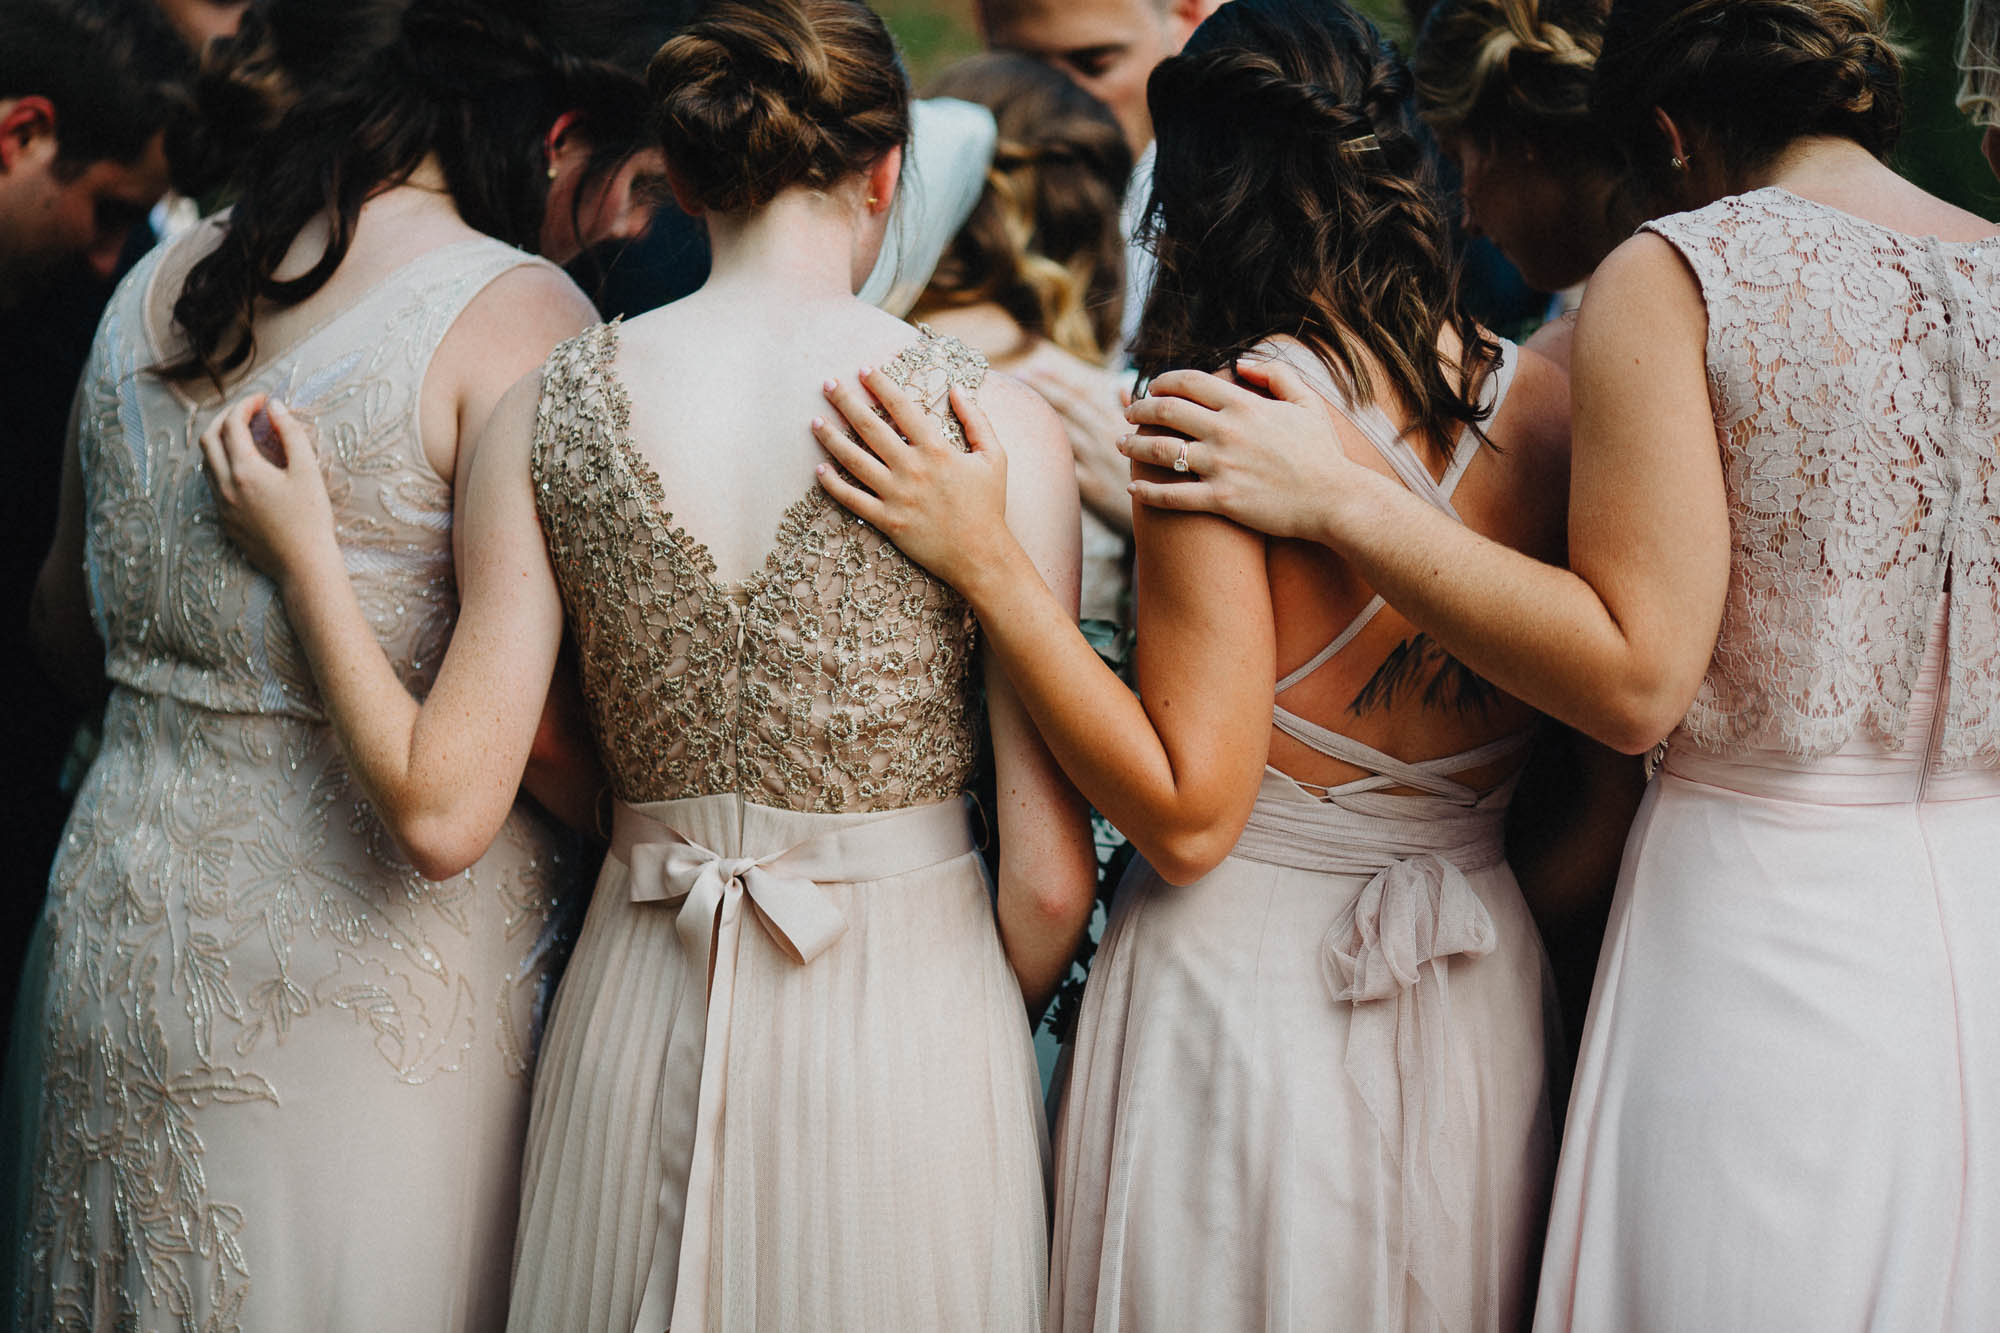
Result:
<point x="1375" y="425"/>
<point x="1426" y="775"/>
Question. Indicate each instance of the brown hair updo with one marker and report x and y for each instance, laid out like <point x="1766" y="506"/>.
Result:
<point x="1043" y="241"/>
<point x="1747" y="77"/>
<point x="1296" y="192"/>
<point x="756" y="96"/>
<point x="1513" y="73"/>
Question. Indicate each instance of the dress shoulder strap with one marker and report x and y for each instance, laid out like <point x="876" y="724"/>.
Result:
<point x="1373" y="423"/>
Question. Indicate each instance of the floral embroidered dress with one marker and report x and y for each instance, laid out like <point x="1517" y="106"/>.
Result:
<point x="788" y="1082"/>
<point x="285" y="1077"/>
<point x="1787" y="1111"/>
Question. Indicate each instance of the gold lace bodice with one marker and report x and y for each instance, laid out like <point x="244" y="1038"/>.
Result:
<point x="838" y="677"/>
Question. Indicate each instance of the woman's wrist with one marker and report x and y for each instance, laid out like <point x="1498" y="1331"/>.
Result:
<point x="993" y="573"/>
<point x="307" y="578"/>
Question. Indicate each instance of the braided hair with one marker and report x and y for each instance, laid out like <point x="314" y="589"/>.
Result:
<point x="1513" y="72"/>
<point x="1296" y="192"/>
<point x="476" y="84"/>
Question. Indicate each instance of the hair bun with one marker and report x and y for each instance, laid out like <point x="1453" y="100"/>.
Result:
<point x="1752" y="75"/>
<point x="752" y="99"/>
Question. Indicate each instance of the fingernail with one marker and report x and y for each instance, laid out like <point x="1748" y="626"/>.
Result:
<point x="819" y="469"/>
<point x="866" y="371"/>
<point x="830" y="385"/>
<point x="819" y="423"/>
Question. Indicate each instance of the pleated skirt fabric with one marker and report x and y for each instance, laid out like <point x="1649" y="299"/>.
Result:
<point x="1220" y="1167"/>
<point x="881" y="1159"/>
<point x="1787" y="1109"/>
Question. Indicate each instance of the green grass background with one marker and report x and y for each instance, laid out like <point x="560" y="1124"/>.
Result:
<point x="1939" y="150"/>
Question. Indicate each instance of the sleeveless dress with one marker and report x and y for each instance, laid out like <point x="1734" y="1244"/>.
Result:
<point x="1309" y="1090"/>
<point x="1787" y="1110"/>
<point x="788" y="1082"/>
<point x="285" y="1077"/>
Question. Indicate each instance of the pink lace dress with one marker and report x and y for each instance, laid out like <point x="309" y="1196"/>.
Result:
<point x="1787" y="1112"/>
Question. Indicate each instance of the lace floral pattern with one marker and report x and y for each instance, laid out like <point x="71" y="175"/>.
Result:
<point x="838" y="677"/>
<point x="1855" y="378"/>
<point x="255" y="1010"/>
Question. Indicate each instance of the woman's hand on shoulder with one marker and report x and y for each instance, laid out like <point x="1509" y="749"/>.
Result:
<point x="265" y="473"/>
<point x="1259" y="448"/>
<point x="944" y="508"/>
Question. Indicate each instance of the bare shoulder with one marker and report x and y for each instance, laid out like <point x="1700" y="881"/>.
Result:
<point x="1646" y="266"/>
<point x="1535" y="418"/>
<point x="536" y="304"/>
<point x="1028" y="427"/>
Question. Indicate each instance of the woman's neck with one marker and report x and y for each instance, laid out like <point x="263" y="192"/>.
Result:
<point x="803" y="242"/>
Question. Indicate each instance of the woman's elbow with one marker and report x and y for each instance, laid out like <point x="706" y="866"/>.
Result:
<point x="1637" y="720"/>
<point x="1184" y="855"/>
<point x="438" y="847"/>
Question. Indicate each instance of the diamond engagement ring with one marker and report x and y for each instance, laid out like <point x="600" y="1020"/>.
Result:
<point x="1180" y="459"/>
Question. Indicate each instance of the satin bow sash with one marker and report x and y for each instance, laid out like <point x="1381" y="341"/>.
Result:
<point x="1387" y="955"/>
<point x="709" y="891"/>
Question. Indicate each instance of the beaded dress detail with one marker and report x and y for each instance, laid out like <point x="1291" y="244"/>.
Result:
<point x="838" y="677"/>
<point x="788" y="1081"/>
<point x="286" y="1077"/>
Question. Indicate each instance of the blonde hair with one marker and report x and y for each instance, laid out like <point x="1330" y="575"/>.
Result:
<point x="1043" y="241"/>
<point x="1979" y="63"/>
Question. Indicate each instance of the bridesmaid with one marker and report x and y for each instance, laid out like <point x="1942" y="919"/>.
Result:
<point x="285" y="1070"/>
<point x="1308" y="1088"/>
<point x="788" y="1081"/>
<point x="1788" y="1110"/>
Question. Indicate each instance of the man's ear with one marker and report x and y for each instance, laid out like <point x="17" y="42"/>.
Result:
<point x="1183" y="17"/>
<point x="27" y="130"/>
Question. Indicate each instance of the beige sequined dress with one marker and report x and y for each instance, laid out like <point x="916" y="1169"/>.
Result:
<point x="788" y="1082"/>
<point x="286" y="1077"/>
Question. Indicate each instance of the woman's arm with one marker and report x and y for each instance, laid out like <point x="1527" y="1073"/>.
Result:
<point x="443" y="774"/>
<point x="1048" y="866"/>
<point x="1616" y="645"/>
<point x="59" y="625"/>
<point x="1177" y="773"/>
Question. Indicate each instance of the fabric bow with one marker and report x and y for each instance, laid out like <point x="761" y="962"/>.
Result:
<point x="1386" y="955"/>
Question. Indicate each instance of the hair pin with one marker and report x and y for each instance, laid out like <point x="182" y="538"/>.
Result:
<point x="1366" y="143"/>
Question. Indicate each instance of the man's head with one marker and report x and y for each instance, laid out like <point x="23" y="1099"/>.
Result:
<point x="86" y="87"/>
<point x="1108" y="46"/>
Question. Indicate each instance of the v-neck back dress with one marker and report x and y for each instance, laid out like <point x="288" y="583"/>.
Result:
<point x="788" y="1082"/>
<point x="1309" y="1090"/>
<point x="285" y="1077"/>
<point x="1786" y="1113"/>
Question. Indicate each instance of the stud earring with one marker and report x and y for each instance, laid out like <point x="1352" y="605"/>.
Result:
<point x="1678" y="163"/>
<point x="552" y="170"/>
<point x="873" y="201"/>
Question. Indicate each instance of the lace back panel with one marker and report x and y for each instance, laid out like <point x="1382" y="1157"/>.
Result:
<point x="838" y="677"/>
<point x="1854" y="374"/>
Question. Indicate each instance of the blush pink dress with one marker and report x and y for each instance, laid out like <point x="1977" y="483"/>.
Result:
<point x="788" y="1081"/>
<point x="1309" y="1090"/>
<point x="1787" y="1111"/>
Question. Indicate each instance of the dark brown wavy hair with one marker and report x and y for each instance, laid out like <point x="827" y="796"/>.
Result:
<point x="756" y="96"/>
<point x="1043" y="240"/>
<point x="475" y="84"/>
<point x="1296" y="192"/>
<point x="1748" y="77"/>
